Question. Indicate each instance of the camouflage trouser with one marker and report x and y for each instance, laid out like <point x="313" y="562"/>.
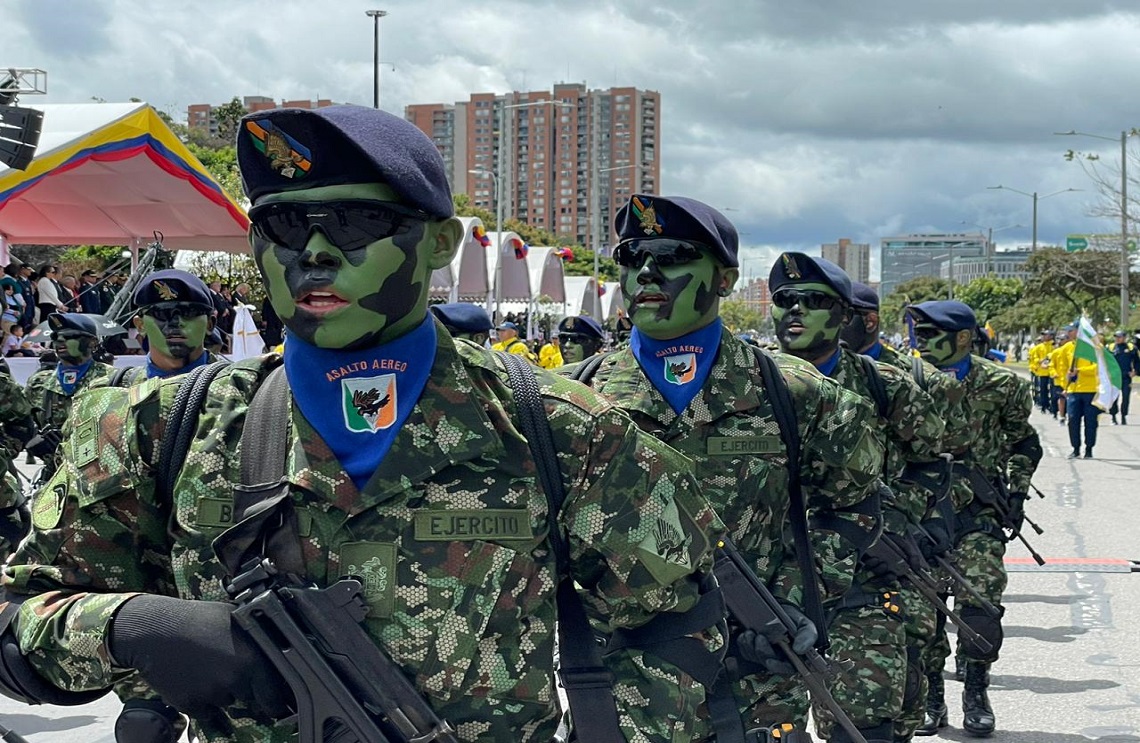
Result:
<point x="978" y="557"/>
<point x="771" y="700"/>
<point x="921" y="624"/>
<point x="868" y="645"/>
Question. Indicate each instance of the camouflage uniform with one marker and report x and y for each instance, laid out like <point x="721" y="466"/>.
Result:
<point x="867" y="632"/>
<point x="14" y="412"/>
<point x="136" y="374"/>
<point x="50" y="404"/>
<point x="999" y="403"/>
<point x="470" y="620"/>
<point x="841" y="460"/>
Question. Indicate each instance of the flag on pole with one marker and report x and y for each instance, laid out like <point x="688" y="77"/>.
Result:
<point x="1090" y="348"/>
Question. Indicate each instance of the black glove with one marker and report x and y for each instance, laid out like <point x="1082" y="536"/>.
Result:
<point x="935" y="539"/>
<point x="196" y="657"/>
<point x="44" y="443"/>
<point x="1017" y="509"/>
<point x="759" y="647"/>
<point x="886" y="558"/>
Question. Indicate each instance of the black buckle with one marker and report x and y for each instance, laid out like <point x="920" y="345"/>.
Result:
<point x="595" y="677"/>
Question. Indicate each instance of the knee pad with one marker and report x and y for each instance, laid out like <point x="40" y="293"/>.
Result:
<point x="986" y="626"/>
<point x="913" y="677"/>
<point x="19" y="681"/>
<point x="147" y="721"/>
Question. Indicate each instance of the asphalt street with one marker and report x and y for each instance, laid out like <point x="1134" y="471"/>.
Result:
<point x="1068" y="671"/>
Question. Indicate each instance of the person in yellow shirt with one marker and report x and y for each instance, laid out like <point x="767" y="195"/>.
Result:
<point x="509" y="341"/>
<point x="1057" y="372"/>
<point x="550" y="355"/>
<point x="1080" y="376"/>
<point x="1042" y="378"/>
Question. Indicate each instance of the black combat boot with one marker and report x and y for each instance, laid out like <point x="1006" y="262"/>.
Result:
<point x="978" y="715"/>
<point x="881" y="733"/>
<point x="937" y="716"/>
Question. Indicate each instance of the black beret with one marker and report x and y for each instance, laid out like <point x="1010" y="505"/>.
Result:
<point x="582" y="324"/>
<point x="948" y="314"/>
<point x="172" y="285"/>
<point x="461" y="317"/>
<point x="863" y="297"/>
<point x="73" y="321"/>
<point x="646" y="217"/>
<point x="285" y="149"/>
<point x="800" y="268"/>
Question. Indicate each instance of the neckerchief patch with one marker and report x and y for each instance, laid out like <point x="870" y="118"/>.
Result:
<point x="678" y="367"/>
<point x="70" y="376"/>
<point x="358" y="400"/>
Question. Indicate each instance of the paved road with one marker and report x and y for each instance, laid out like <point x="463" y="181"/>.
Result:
<point x="1068" y="672"/>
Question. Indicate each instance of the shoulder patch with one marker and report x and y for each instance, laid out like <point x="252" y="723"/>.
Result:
<point x="47" y="508"/>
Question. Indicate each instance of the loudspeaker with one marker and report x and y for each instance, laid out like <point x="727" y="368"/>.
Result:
<point x="19" y="135"/>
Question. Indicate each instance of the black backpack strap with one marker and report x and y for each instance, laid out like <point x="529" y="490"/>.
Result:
<point x="785" y="412"/>
<point x="263" y="454"/>
<point x="181" y="423"/>
<point x="586" y="370"/>
<point x="588" y="683"/>
<point x="918" y="372"/>
<point x="876" y="385"/>
<point x="119" y="375"/>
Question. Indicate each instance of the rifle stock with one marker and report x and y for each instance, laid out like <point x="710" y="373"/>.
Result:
<point x="987" y="493"/>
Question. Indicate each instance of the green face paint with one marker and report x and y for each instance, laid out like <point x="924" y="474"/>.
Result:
<point x="938" y="346"/>
<point x="176" y="338"/>
<point x="806" y="333"/>
<point x="575" y="347"/>
<point x="74" y="350"/>
<point x="670" y="301"/>
<point x="350" y="299"/>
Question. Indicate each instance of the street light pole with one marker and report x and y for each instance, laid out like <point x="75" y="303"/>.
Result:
<point x="1035" y="200"/>
<point x="375" y="15"/>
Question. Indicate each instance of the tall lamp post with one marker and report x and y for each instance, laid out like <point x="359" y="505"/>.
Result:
<point x="1125" y="263"/>
<point x="375" y="15"/>
<point x="1035" y="198"/>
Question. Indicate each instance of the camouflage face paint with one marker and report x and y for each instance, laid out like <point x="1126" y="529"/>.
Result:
<point x="670" y="301"/>
<point x="809" y="334"/>
<point x="353" y="298"/>
<point x="74" y="350"/>
<point x="577" y="348"/>
<point x="938" y="346"/>
<point x="857" y="335"/>
<point x="178" y="337"/>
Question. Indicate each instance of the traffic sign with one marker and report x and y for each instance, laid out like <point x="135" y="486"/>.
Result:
<point x="1074" y="243"/>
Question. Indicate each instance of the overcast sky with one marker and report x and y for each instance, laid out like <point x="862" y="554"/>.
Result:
<point x="809" y="120"/>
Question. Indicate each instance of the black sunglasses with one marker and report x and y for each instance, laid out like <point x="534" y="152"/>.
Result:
<point x="168" y="311"/>
<point x="575" y="338"/>
<point x="786" y="299"/>
<point x="349" y="224"/>
<point x="664" y="251"/>
<point x="927" y="332"/>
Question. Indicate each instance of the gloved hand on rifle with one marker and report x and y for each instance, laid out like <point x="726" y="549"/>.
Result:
<point x="1017" y="509"/>
<point x="887" y="557"/>
<point x="44" y="443"/>
<point x="759" y="648"/>
<point x="196" y="657"/>
<point x="934" y="538"/>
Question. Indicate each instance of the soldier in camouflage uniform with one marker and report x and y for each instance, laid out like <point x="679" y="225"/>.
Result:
<point x="692" y="384"/>
<point x="1003" y="455"/>
<point x="462" y="320"/>
<point x="116" y="578"/>
<point x="927" y="491"/>
<point x="15" y="428"/>
<point x="74" y="339"/>
<point x="580" y="338"/>
<point x="811" y="304"/>
<point x="176" y="315"/>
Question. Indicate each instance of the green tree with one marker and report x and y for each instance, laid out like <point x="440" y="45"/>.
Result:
<point x="228" y="115"/>
<point x="738" y="316"/>
<point x="221" y="162"/>
<point x="919" y="289"/>
<point x="990" y="296"/>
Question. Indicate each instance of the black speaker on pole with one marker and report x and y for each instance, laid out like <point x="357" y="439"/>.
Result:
<point x="19" y="135"/>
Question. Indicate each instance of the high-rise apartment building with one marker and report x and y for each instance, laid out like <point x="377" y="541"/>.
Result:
<point x="854" y="258"/>
<point x="200" y="116"/>
<point x="907" y="257"/>
<point x="569" y="158"/>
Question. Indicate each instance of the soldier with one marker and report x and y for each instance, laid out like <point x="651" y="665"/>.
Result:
<point x="462" y="320"/>
<point x="685" y="378"/>
<point x="1042" y="379"/>
<point x="811" y="304"/>
<point x="176" y="314"/>
<point x="16" y="427"/>
<point x="580" y="337"/>
<point x="50" y="391"/>
<point x="998" y="467"/>
<point x="920" y="487"/>
<point x="395" y="440"/>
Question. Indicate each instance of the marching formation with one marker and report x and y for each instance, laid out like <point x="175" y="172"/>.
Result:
<point x="391" y="532"/>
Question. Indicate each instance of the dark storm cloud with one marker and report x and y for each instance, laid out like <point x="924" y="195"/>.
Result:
<point x="64" y="28"/>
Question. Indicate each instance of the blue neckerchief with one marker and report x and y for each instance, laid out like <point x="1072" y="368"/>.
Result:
<point x="827" y="367"/>
<point x="70" y="376"/>
<point x="874" y="351"/>
<point x="678" y="367"/>
<point x="358" y="400"/>
<point x="153" y="371"/>
<point x="960" y="369"/>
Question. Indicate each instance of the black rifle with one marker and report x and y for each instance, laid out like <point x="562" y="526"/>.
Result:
<point x="959" y="580"/>
<point x="754" y="607"/>
<point x="927" y="586"/>
<point x="11" y="736"/>
<point x="346" y="689"/>
<point x="990" y="494"/>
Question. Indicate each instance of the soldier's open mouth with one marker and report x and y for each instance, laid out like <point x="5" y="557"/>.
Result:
<point x="651" y="298"/>
<point x="320" y="303"/>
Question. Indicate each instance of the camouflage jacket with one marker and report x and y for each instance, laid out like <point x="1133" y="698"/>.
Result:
<point x="50" y="404"/>
<point x="730" y="433"/>
<point x="911" y="428"/>
<point x="468" y="613"/>
<point x="999" y="402"/>
<point x="136" y="374"/>
<point x="14" y="412"/>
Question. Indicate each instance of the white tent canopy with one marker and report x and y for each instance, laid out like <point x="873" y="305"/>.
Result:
<point x="546" y="276"/>
<point x="516" y="277"/>
<point x="466" y="279"/>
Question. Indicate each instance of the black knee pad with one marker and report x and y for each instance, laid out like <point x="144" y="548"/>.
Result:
<point x="986" y="626"/>
<point x="913" y="677"/>
<point x="147" y="721"/>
